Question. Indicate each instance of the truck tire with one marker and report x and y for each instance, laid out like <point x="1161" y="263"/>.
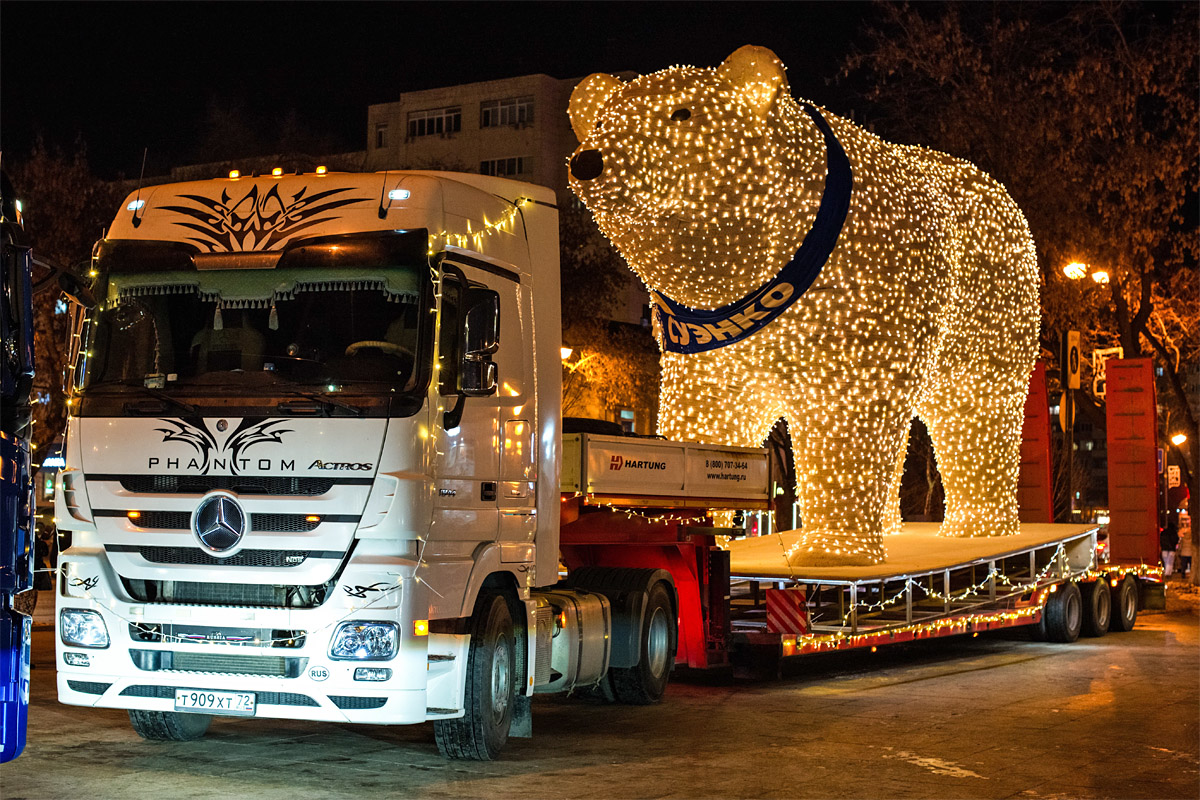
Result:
<point x="169" y="726"/>
<point x="1097" y="608"/>
<point x="646" y="682"/>
<point x="491" y="685"/>
<point x="1064" y="614"/>
<point x="1124" y="605"/>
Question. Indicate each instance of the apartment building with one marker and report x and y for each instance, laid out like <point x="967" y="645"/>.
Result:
<point x="515" y="127"/>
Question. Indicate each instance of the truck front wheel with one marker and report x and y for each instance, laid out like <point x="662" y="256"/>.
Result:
<point x="169" y="726"/>
<point x="645" y="682"/>
<point x="491" y="686"/>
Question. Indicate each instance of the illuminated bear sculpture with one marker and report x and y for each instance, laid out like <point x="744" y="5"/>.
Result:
<point x="801" y="267"/>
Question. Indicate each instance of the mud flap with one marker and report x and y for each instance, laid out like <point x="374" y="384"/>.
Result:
<point x="522" y="718"/>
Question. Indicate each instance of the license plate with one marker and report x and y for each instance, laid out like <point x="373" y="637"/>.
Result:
<point x="203" y="702"/>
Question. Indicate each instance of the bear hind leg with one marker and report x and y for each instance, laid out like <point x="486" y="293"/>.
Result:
<point x="977" y="441"/>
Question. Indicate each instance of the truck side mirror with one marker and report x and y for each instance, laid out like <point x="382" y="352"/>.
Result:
<point x="481" y="339"/>
<point x="74" y="289"/>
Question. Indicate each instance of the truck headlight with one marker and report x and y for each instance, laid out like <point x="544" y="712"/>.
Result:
<point x="80" y="627"/>
<point x="360" y="640"/>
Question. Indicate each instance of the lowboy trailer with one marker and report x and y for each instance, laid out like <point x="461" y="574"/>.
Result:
<point x="743" y="605"/>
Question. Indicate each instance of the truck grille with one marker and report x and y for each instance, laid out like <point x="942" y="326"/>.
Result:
<point x="263" y="523"/>
<point x="255" y="595"/>
<point x="155" y="633"/>
<point x="239" y="484"/>
<point x="359" y="703"/>
<point x="224" y="663"/>
<point x="246" y="558"/>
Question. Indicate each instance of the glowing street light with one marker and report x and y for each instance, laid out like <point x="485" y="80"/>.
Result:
<point x="1178" y="439"/>
<point x="1100" y="276"/>
<point x="1075" y="270"/>
<point x="565" y="352"/>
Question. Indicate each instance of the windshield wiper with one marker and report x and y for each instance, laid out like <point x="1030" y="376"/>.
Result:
<point x="166" y="399"/>
<point x="327" y="402"/>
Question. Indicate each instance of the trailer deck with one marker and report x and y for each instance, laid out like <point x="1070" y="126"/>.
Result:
<point x="916" y="550"/>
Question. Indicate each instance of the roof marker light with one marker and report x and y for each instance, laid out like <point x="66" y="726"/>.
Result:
<point x="233" y="173"/>
<point x="135" y="205"/>
<point x="399" y="194"/>
<point x="278" y="171"/>
<point x="321" y="170"/>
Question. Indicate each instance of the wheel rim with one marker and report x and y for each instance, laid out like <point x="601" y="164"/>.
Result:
<point x="1074" y="613"/>
<point x="1128" y="601"/>
<point x="658" y="642"/>
<point x="501" y="677"/>
<point x="1103" y="607"/>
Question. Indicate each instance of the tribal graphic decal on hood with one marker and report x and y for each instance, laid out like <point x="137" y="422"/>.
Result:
<point x="251" y="431"/>
<point x="256" y="222"/>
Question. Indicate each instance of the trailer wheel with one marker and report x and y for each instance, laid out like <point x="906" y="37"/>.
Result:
<point x="1064" y="614"/>
<point x="491" y="686"/>
<point x="1124" y="606"/>
<point x="645" y="682"/>
<point x="1097" y="608"/>
<point x="169" y="726"/>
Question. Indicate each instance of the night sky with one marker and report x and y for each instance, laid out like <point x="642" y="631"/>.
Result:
<point x="130" y="75"/>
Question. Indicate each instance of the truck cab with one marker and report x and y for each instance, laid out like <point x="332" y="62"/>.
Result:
<point x="311" y="469"/>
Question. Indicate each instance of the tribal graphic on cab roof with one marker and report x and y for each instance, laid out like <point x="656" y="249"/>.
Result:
<point x="256" y="222"/>
<point x="229" y="454"/>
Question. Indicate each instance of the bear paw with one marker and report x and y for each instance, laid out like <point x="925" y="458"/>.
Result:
<point x="835" y="549"/>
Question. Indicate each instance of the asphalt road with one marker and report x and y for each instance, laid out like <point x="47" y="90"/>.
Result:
<point x="995" y="716"/>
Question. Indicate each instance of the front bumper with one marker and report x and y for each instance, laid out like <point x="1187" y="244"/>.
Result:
<point x="291" y="677"/>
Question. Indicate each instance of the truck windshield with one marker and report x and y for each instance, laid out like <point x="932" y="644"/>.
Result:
<point x="249" y="328"/>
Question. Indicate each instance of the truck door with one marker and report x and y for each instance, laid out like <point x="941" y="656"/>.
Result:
<point x="484" y="481"/>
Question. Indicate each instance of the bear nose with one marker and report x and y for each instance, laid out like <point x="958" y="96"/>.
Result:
<point x="587" y="165"/>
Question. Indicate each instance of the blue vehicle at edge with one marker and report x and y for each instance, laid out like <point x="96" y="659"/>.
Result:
<point x="16" y="486"/>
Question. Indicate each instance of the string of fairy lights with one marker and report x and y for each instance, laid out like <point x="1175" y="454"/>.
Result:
<point x="928" y="305"/>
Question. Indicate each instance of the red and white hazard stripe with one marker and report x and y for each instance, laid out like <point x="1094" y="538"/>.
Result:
<point x="786" y="611"/>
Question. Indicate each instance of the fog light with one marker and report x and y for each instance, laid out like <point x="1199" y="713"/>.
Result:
<point x="364" y="641"/>
<point x="82" y="628"/>
<point x="372" y="674"/>
<point x="77" y="659"/>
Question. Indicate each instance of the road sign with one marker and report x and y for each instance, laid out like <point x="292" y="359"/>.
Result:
<point x="1070" y="365"/>
<point x="1172" y="476"/>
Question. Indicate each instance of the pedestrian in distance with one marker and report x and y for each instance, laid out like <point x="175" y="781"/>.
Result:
<point x="1185" y="551"/>
<point x="1168" y="540"/>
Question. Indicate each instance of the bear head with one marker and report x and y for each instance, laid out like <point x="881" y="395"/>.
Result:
<point x="706" y="180"/>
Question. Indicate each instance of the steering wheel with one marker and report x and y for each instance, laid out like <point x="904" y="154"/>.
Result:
<point x="387" y="347"/>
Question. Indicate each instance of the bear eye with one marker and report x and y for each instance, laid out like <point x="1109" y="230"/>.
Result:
<point x="680" y="114"/>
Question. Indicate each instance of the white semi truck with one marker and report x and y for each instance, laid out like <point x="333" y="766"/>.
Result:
<point x="312" y="470"/>
<point x="316" y="469"/>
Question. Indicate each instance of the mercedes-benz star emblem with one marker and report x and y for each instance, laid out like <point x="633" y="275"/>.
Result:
<point x="220" y="523"/>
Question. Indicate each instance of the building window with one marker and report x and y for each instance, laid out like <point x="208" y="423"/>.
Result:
<point x="627" y="419"/>
<point x="435" y="121"/>
<point x="513" y="111"/>
<point x="380" y="135"/>
<point x="505" y="167"/>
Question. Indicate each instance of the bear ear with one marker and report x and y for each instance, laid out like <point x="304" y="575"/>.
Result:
<point x="588" y="98"/>
<point x="757" y="75"/>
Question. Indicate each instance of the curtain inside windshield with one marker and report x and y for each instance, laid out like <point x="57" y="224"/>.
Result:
<point x="258" y="327"/>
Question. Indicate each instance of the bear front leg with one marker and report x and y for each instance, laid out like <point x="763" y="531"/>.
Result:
<point x="846" y="462"/>
<point x="977" y="440"/>
<point x="703" y="399"/>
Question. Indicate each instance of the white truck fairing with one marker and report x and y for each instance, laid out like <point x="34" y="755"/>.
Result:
<point x="268" y="443"/>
